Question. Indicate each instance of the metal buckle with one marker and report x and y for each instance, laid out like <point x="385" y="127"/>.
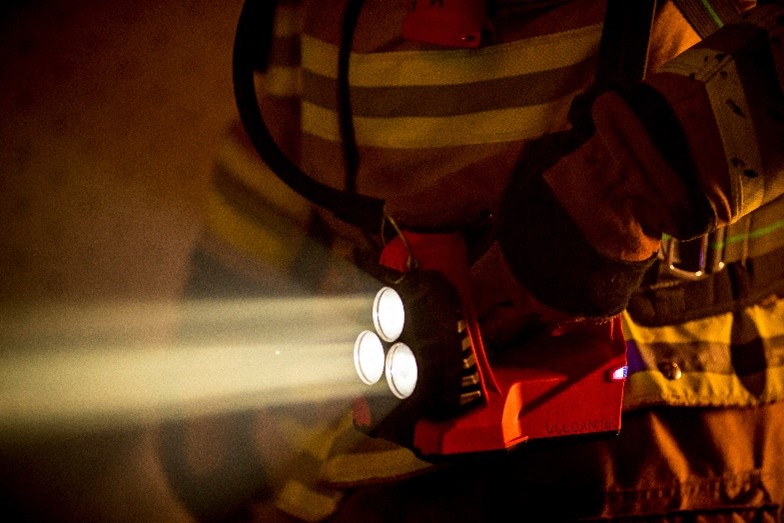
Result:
<point x="694" y="259"/>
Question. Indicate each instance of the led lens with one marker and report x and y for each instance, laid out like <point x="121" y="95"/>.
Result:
<point x="401" y="367"/>
<point x="368" y="357"/>
<point x="388" y="314"/>
<point x="620" y="374"/>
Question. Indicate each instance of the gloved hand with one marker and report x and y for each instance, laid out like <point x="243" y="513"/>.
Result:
<point x="578" y="224"/>
<point x="580" y="231"/>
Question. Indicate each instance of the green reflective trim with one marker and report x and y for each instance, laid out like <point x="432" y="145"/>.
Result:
<point x="713" y="14"/>
<point x="740" y="237"/>
<point x="752" y="234"/>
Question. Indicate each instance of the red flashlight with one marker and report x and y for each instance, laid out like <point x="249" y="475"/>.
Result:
<point x="461" y="398"/>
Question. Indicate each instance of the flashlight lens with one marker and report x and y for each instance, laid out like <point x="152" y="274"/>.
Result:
<point x="368" y="357"/>
<point x="401" y="367"/>
<point x="388" y="314"/>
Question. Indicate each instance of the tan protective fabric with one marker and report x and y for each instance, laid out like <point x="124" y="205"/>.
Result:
<point x="667" y="465"/>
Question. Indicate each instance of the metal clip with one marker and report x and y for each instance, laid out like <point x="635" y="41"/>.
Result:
<point x="694" y="259"/>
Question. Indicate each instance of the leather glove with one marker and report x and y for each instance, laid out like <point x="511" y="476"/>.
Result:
<point x="581" y="225"/>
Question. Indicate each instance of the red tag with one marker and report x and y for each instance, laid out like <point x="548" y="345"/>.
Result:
<point x="451" y="23"/>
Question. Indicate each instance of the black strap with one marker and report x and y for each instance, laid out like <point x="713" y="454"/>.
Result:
<point x="623" y="57"/>
<point x="362" y="211"/>
<point x="345" y="113"/>
<point x="623" y="51"/>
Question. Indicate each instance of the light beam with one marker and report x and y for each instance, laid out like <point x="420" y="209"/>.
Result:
<point x="66" y="367"/>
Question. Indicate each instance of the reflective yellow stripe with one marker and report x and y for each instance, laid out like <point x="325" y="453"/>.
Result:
<point x="423" y="132"/>
<point x="768" y="320"/>
<point x="306" y="503"/>
<point x="354" y="468"/>
<point x="443" y="67"/>
<point x="288" y="21"/>
<point x="263" y="244"/>
<point x="247" y="167"/>
<point x="651" y="387"/>
<point x="701" y="389"/>
<point x="713" y="329"/>
<point x="316" y="441"/>
<point x="283" y="81"/>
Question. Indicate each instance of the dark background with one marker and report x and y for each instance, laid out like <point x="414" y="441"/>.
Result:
<point x="110" y="114"/>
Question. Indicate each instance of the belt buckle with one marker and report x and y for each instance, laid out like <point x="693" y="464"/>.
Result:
<point x="694" y="259"/>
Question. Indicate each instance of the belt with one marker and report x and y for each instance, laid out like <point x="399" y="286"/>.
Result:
<point x="753" y="235"/>
<point x="727" y="269"/>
